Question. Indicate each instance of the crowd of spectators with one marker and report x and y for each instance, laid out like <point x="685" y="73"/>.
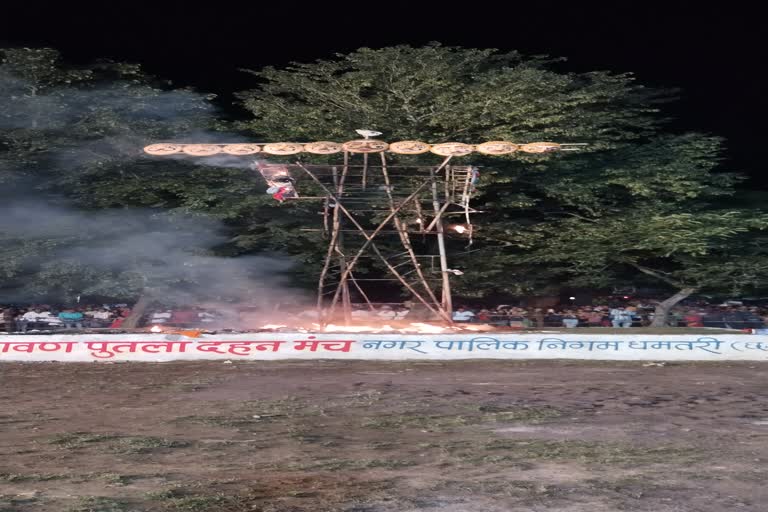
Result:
<point x="44" y="317"/>
<point x="638" y="314"/>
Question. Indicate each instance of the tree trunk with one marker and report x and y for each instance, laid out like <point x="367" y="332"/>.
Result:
<point x="662" y="309"/>
<point x="132" y="321"/>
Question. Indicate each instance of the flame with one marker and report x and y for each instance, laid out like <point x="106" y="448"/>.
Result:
<point x="412" y="328"/>
<point x="156" y="328"/>
<point x="460" y="229"/>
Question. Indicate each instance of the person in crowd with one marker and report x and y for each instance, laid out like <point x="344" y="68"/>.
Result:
<point x="205" y="316"/>
<point x="26" y="319"/>
<point x="184" y="317"/>
<point x="553" y="319"/>
<point x="620" y="317"/>
<point x="484" y="316"/>
<point x="463" y="315"/>
<point x="8" y="318"/>
<point x="48" y="319"/>
<point x="386" y="313"/>
<point x="595" y="318"/>
<point x="693" y="318"/>
<point x="160" y="317"/>
<point x="361" y="313"/>
<point x="71" y="318"/>
<point x="570" y="321"/>
<point x="102" y="317"/>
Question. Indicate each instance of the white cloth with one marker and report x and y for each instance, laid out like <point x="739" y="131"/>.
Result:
<point x="463" y="316"/>
<point x="48" y="318"/>
<point x="386" y="314"/>
<point x="30" y="316"/>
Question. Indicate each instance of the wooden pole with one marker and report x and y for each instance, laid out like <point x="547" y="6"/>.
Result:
<point x="447" y="300"/>
<point x="403" y="233"/>
<point x="369" y="238"/>
<point x="362" y="293"/>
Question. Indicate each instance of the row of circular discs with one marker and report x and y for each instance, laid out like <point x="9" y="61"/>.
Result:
<point x="406" y="147"/>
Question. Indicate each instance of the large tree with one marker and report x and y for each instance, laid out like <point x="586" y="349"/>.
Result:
<point x="637" y="201"/>
<point x="72" y="176"/>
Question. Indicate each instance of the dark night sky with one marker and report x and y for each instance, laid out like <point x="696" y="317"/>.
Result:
<point x="714" y="55"/>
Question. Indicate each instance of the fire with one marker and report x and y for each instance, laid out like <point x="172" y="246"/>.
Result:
<point x="156" y="328"/>
<point x="412" y="328"/>
<point x="460" y="229"/>
<point x="273" y="326"/>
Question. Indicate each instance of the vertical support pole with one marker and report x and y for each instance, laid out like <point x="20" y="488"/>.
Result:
<point x="346" y="302"/>
<point x="447" y="301"/>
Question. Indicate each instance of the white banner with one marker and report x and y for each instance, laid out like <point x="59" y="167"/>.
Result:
<point x="275" y="346"/>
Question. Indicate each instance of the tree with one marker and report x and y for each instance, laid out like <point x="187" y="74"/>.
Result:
<point x="636" y="202"/>
<point x="84" y="213"/>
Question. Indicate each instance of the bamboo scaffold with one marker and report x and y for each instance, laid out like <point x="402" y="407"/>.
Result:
<point x="371" y="207"/>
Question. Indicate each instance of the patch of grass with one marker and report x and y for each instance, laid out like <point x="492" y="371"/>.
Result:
<point x="100" y="504"/>
<point x="116" y="443"/>
<point x="14" y="503"/>
<point x="348" y="464"/>
<point x="476" y="416"/>
<point x="632" y="487"/>
<point x="518" y="414"/>
<point x="32" y="477"/>
<point x="180" y="500"/>
<point x="76" y="440"/>
<point x="145" y="444"/>
<point x="498" y="487"/>
<point x="582" y="451"/>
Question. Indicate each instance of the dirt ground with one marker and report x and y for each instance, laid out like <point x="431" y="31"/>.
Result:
<point x="377" y="437"/>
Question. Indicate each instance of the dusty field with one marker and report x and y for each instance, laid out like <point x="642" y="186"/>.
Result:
<point x="377" y="437"/>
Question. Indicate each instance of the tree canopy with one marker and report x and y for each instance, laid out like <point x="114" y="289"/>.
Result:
<point x="639" y="202"/>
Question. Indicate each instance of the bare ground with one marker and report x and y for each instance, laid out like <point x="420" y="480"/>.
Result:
<point x="377" y="437"/>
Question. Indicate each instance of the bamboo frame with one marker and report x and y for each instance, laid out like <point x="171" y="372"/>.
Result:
<point x="435" y="307"/>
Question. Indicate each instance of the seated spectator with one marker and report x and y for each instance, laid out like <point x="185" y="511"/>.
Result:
<point x="71" y="318"/>
<point x="463" y="315"/>
<point x="693" y="319"/>
<point x="361" y="313"/>
<point x="620" y="317"/>
<point x="386" y="313"/>
<point x="553" y="319"/>
<point x="48" y="319"/>
<point x="570" y="321"/>
<point x="102" y="317"/>
<point x="160" y="317"/>
<point x="401" y="312"/>
<point x="184" y="317"/>
<point x="595" y="319"/>
<point x="206" y="317"/>
<point x="484" y="316"/>
<point x="26" y="319"/>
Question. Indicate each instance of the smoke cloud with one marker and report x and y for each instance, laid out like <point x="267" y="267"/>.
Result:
<point x="177" y="259"/>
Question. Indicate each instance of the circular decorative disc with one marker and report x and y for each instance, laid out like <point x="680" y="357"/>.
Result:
<point x="409" y="147"/>
<point x="365" y="146"/>
<point x="241" y="149"/>
<point x="497" y="147"/>
<point x="283" y="148"/>
<point x="540" y="147"/>
<point x="201" y="149"/>
<point x="162" y="149"/>
<point x="452" y="149"/>
<point x="323" y="147"/>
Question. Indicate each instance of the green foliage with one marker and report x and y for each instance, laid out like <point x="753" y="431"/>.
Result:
<point x="637" y="203"/>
